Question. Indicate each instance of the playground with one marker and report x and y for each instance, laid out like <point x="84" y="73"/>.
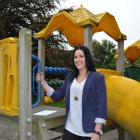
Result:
<point x="22" y="101"/>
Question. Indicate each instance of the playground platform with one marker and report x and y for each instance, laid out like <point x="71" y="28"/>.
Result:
<point x="52" y="125"/>
<point x="9" y="125"/>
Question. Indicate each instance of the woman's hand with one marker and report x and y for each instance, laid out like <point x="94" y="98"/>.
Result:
<point x="44" y="83"/>
<point x="95" y="136"/>
<point x="40" y="77"/>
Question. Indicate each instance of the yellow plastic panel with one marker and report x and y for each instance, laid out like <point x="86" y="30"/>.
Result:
<point x="132" y="53"/>
<point x="73" y="25"/>
<point x="108" y="72"/>
<point x="48" y="100"/>
<point x="9" y="77"/>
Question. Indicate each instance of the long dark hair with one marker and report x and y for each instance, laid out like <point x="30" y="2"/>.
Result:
<point x="88" y="58"/>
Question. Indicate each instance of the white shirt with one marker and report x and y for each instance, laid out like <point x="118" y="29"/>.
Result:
<point x="74" y="120"/>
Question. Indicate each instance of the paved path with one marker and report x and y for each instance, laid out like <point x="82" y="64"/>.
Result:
<point x="8" y="133"/>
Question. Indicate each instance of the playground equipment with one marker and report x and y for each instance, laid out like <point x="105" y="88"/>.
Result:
<point x="48" y="70"/>
<point x="123" y="101"/>
<point x="55" y="70"/>
<point x="132" y="72"/>
<point x="132" y="52"/>
<point x="123" y="111"/>
<point x="9" y="85"/>
<point x="9" y="81"/>
<point x="120" y="100"/>
<point x="39" y="70"/>
<point x="83" y="24"/>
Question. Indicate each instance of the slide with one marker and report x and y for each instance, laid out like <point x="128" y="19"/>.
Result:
<point x="123" y="96"/>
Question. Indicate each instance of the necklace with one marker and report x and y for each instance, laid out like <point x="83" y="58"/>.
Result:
<point x="76" y="98"/>
<point x="76" y="95"/>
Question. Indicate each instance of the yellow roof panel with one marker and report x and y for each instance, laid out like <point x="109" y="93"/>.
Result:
<point x="71" y="25"/>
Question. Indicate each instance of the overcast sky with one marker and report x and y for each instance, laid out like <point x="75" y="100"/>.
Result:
<point x="126" y="13"/>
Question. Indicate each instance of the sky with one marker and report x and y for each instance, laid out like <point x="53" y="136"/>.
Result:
<point x="126" y="13"/>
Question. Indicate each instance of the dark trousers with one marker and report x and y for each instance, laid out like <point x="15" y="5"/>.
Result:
<point x="70" y="136"/>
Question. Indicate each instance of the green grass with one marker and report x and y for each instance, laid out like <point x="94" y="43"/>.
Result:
<point x="58" y="104"/>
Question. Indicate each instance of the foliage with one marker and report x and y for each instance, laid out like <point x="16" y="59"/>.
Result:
<point x="56" y="57"/>
<point x="103" y="54"/>
<point x="137" y="62"/>
<point x="31" y="14"/>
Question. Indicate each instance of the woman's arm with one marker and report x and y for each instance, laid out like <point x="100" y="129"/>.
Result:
<point x="101" y="100"/>
<point x="97" y="132"/>
<point x="101" y="107"/>
<point x="56" y="95"/>
<point x="48" y="90"/>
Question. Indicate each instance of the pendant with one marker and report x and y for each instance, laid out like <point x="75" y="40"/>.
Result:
<point x="75" y="98"/>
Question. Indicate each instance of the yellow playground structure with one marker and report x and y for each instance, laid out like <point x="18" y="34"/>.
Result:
<point x="78" y="26"/>
<point x="9" y="76"/>
<point x="132" y="52"/>
<point x="122" y="93"/>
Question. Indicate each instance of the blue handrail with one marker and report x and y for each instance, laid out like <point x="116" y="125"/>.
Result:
<point x="48" y="70"/>
<point x="39" y="70"/>
<point x="55" y="70"/>
<point x="33" y="78"/>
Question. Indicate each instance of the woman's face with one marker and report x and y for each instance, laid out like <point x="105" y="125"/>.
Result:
<point x="79" y="60"/>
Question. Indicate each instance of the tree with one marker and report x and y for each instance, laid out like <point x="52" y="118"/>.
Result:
<point x="56" y="57"/>
<point x="103" y="54"/>
<point x="32" y="14"/>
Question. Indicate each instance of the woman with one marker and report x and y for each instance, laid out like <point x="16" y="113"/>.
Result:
<point x="85" y="96"/>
